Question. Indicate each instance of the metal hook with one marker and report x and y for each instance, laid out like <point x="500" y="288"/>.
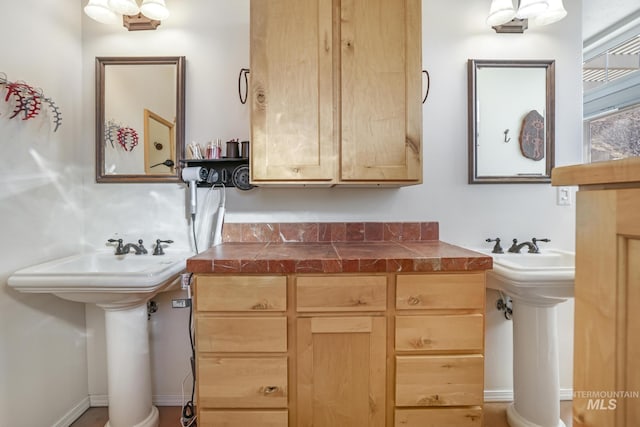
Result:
<point x="506" y="133"/>
<point x="244" y="72"/>
<point x="426" y="95"/>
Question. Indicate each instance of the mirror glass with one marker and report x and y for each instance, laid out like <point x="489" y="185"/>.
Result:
<point x="511" y="121"/>
<point x="139" y="118"/>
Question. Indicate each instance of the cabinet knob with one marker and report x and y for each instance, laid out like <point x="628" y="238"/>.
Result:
<point x="413" y="301"/>
<point x="270" y="389"/>
<point x="262" y="305"/>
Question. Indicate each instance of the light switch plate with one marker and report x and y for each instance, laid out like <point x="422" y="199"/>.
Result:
<point x="563" y="196"/>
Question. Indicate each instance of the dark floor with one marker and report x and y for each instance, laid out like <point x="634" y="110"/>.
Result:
<point x="494" y="415"/>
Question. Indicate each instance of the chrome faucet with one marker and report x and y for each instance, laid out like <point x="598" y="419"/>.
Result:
<point x="121" y="250"/>
<point x="532" y="245"/>
<point x="139" y="248"/>
<point x="515" y="247"/>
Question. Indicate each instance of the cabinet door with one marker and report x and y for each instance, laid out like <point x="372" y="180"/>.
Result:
<point x="441" y="291"/>
<point x="607" y="320"/>
<point x="209" y="418"/>
<point x="242" y="382"/>
<point x="341" y="371"/>
<point x="341" y="293"/>
<point x="241" y="293"/>
<point x="457" y="332"/>
<point x="292" y="134"/>
<point x="445" y="380"/>
<point x="241" y="334"/>
<point x="439" y="417"/>
<point x="381" y="90"/>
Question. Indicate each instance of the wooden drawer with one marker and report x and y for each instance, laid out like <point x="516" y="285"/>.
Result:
<point x="341" y="293"/>
<point x="440" y="291"/>
<point x="439" y="417"/>
<point x="210" y="418"/>
<point x="241" y="334"/>
<point x="242" y="382"/>
<point x="439" y="380"/>
<point x="440" y="332"/>
<point x="241" y="293"/>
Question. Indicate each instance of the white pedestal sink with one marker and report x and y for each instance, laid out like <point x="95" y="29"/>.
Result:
<point x="121" y="285"/>
<point x="536" y="283"/>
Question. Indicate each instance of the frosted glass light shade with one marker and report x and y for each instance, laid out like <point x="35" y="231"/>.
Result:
<point x="554" y="13"/>
<point x="154" y="9"/>
<point x="124" y="7"/>
<point x="501" y="12"/>
<point x="99" y="10"/>
<point x="531" y="8"/>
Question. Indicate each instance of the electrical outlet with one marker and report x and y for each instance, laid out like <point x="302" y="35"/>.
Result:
<point x="185" y="280"/>
<point x="563" y="196"/>
<point x="180" y="303"/>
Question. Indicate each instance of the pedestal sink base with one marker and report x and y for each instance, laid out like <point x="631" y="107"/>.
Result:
<point x="536" y="283"/>
<point x="129" y="368"/>
<point x="536" y="378"/>
<point x="153" y="420"/>
<point x="515" y="420"/>
<point x="121" y="285"/>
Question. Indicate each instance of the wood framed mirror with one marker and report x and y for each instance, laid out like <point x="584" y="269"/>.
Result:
<point x="511" y="121"/>
<point x="139" y="118"/>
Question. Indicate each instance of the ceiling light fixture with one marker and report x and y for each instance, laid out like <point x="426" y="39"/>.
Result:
<point x="504" y="18"/>
<point x="134" y="17"/>
<point x="154" y="9"/>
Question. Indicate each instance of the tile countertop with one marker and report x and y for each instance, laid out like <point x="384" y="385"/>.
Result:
<point x="334" y="248"/>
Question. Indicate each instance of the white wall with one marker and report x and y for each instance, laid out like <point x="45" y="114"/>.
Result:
<point x="42" y="338"/>
<point x="215" y="42"/>
<point x="470" y="213"/>
<point x="49" y="191"/>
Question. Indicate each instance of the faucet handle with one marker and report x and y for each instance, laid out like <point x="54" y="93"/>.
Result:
<point x="514" y="247"/>
<point x="119" y="248"/>
<point x="535" y="241"/>
<point x="157" y="250"/>
<point x="497" y="249"/>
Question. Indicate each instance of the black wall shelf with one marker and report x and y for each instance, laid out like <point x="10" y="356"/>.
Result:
<point x="229" y="172"/>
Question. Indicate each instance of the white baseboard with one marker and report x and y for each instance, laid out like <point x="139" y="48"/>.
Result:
<point x="507" y="395"/>
<point x="73" y="414"/>
<point x="169" y="400"/>
<point x="98" y="400"/>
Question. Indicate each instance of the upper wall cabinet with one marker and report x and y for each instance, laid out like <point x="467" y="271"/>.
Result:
<point x="336" y="92"/>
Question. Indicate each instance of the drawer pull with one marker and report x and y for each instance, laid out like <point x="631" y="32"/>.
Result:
<point x="414" y="300"/>
<point x="433" y="400"/>
<point x="421" y="342"/>
<point x="270" y="389"/>
<point x="358" y="302"/>
<point x="263" y="305"/>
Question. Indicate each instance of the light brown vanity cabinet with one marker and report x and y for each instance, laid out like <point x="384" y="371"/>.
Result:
<point x="607" y="290"/>
<point x="439" y="349"/>
<point x="336" y="92"/>
<point x="241" y="351"/>
<point x="361" y="350"/>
